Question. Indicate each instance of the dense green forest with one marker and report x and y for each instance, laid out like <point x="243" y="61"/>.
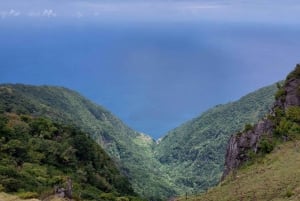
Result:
<point x="271" y="170"/>
<point x="189" y="158"/>
<point x="193" y="154"/>
<point x="132" y="150"/>
<point x="36" y="154"/>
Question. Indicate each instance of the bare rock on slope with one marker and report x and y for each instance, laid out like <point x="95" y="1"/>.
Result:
<point x="241" y="144"/>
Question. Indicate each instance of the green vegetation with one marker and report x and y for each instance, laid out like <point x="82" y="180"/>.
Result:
<point x="266" y="145"/>
<point x="36" y="154"/>
<point x="280" y="94"/>
<point x="189" y="158"/>
<point x="273" y="177"/>
<point x="286" y="118"/>
<point x="132" y="150"/>
<point x="295" y="73"/>
<point x="271" y="173"/>
<point x="248" y="127"/>
<point x="193" y="154"/>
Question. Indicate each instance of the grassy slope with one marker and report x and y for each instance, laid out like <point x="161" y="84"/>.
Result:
<point x="275" y="177"/>
<point x="193" y="154"/>
<point x="272" y="172"/>
<point x="9" y="197"/>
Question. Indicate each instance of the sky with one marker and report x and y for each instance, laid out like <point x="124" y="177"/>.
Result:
<point x="154" y="64"/>
<point x="139" y="10"/>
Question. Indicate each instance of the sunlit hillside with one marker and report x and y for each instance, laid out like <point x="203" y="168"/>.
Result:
<point x="8" y="197"/>
<point x="262" y="162"/>
<point x="275" y="177"/>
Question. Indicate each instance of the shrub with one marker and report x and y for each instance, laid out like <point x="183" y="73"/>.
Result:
<point x="28" y="195"/>
<point x="248" y="127"/>
<point x="279" y="112"/>
<point x="1" y="188"/>
<point x="108" y="197"/>
<point x="283" y="127"/>
<point x="266" y="145"/>
<point x="293" y="113"/>
<point x="11" y="184"/>
<point x="280" y="94"/>
<point x="295" y="73"/>
<point x="289" y="193"/>
<point x="251" y="155"/>
<point x="90" y="193"/>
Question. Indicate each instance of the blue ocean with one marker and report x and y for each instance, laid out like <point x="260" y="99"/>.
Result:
<point x="170" y="72"/>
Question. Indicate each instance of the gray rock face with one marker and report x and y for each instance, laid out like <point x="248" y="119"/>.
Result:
<point x="292" y="88"/>
<point x="239" y="145"/>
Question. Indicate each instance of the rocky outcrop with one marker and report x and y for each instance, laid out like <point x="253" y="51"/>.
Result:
<point x="241" y="144"/>
<point x="292" y="89"/>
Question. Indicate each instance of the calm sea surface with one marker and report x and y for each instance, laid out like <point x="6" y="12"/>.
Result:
<point x="169" y="72"/>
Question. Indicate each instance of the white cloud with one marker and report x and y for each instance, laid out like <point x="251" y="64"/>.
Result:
<point x="44" y="13"/>
<point x="14" y="13"/>
<point x="250" y="10"/>
<point x="9" y="13"/>
<point x="49" y="13"/>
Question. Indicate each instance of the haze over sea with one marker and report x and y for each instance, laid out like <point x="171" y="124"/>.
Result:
<point x="152" y="65"/>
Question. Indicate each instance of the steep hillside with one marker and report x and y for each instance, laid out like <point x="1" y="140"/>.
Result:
<point x="132" y="150"/>
<point x="275" y="177"/>
<point x="193" y="154"/>
<point x="282" y="124"/>
<point x="262" y="162"/>
<point x="7" y="197"/>
<point x="188" y="158"/>
<point x="37" y="154"/>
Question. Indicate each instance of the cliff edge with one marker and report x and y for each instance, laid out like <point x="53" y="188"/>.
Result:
<point x="281" y="123"/>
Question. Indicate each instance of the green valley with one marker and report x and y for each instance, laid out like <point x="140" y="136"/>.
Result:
<point x="189" y="158"/>
<point x="193" y="154"/>
<point x="131" y="150"/>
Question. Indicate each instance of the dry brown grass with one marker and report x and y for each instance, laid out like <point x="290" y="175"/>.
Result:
<point x="273" y="178"/>
<point x="8" y="197"/>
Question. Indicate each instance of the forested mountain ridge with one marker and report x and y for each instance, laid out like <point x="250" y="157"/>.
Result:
<point x="193" y="154"/>
<point x="37" y="154"/>
<point x="188" y="158"/>
<point x="262" y="162"/>
<point x="130" y="149"/>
